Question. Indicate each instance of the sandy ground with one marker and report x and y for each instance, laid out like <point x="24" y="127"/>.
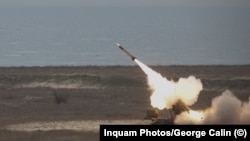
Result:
<point x="69" y="103"/>
<point x="81" y="126"/>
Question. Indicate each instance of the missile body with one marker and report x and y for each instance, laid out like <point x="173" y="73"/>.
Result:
<point x="128" y="53"/>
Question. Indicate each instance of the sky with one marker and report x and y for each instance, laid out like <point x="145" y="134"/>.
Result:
<point x="124" y="2"/>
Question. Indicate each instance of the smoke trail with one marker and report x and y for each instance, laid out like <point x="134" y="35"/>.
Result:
<point x="225" y="109"/>
<point x="166" y="93"/>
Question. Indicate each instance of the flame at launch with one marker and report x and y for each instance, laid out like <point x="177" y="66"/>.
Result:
<point x="187" y="117"/>
<point x="195" y="115"/>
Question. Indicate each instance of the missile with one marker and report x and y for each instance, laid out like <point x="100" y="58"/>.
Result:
<point x="128" y="53"/>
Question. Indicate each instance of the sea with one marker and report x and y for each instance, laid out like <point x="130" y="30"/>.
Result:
<point x="87" y="36"/>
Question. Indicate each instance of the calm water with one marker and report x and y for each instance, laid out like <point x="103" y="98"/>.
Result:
<point x="157" y="36"/>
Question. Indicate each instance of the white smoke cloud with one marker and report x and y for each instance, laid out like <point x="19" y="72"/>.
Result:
<point x="245" y="112"/>
<point x="166" y="93"/>
<point x="188" y="89"/>
<point x="225" y="109"/>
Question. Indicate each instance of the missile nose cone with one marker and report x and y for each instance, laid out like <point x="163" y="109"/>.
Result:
<point x="118" y="44"/>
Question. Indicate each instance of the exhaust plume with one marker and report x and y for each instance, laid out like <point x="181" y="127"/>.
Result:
<point x="225" y="109"/>
<point x="167" y="92"/>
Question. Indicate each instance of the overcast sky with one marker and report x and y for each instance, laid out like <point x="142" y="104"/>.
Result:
<point x="122" y="2"/>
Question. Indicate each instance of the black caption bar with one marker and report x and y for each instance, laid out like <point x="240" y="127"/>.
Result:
<point x="163" y="132"/>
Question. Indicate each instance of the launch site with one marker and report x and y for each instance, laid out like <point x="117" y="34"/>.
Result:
<point x="73" y="70"/>
<point x="70" y="103"/>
